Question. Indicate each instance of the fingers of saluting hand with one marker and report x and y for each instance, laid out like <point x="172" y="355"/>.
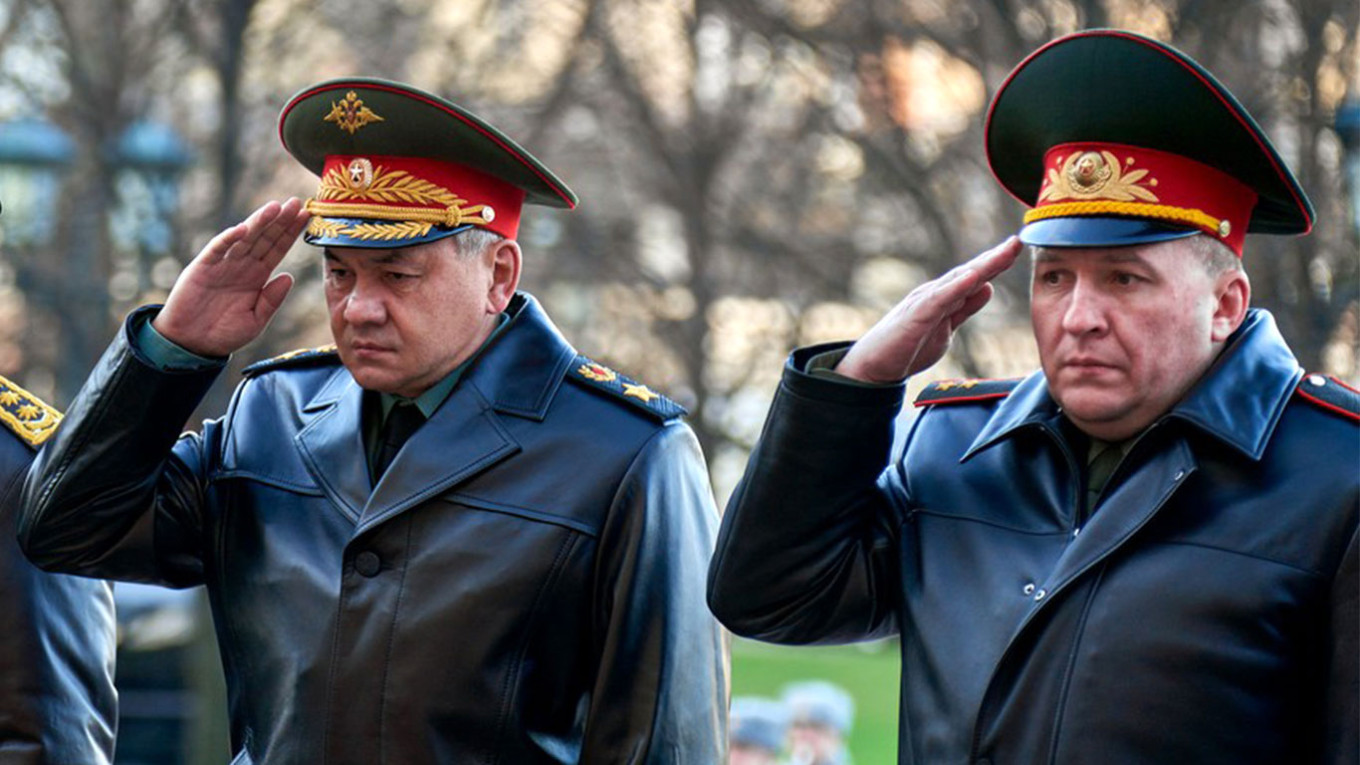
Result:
<point x="960" y="292"/>
<point x="269" y="232"/>
<point x="264" y="236"/>
<point x="916" y="332"/>
<point x="965" y="281"/>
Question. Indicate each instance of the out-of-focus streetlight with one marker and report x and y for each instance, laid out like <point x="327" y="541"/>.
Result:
<point x="33" y="154"/>
<point x="148" y="158"/>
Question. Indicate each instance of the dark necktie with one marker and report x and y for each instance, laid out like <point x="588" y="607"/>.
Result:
<point x="1098" y="474"/>
<point x="401" y="422"/>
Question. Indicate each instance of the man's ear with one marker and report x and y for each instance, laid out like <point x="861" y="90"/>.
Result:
<point x="505" y="264"/>
<point x="1232" y="293"/>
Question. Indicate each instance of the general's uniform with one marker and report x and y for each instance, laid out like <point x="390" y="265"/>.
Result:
<point x="58" y="705"/>
<point x="1205" y="610"/>
<point x="523" y="583"/>
<point x="1206" y="613"/>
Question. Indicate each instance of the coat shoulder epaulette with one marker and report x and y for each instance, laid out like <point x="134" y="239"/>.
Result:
<point x="303" y="357"/>
<point x="964" y="391"/>
<point x="605" y="380"/>
<point x="1331" y="394"/>
<point x="27" y="416"/>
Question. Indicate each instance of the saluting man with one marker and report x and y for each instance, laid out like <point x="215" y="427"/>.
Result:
<point x="1145" y="552"/>
<point x="450" y="538"/>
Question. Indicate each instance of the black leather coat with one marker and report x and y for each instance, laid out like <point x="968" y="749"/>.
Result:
<point x="57" y="634"/>
<point x="1207" y="613"/>
<point x="524" y="585"/>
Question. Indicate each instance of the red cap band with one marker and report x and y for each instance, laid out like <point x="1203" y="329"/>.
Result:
<point x="1108" y="179"/>
<point x="406" y="196"/>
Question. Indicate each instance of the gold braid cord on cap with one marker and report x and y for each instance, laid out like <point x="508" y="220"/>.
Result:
<point x="1197" y="218"/>
<point x="377" y="196"/>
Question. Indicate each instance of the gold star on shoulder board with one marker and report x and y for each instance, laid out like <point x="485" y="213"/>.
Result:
<point x="640" y="392"/>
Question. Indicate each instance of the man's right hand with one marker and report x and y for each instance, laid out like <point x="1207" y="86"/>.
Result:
<point x="226" y="296"/>
<point x="916" y="332"/>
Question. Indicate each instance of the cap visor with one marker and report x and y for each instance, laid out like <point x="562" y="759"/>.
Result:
<point x="1099" y="232"/>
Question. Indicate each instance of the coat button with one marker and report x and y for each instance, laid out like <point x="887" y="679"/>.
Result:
<point x="1040" y="594"/>
<point x="367" y="563"/>
<point x="1029" y="589"/>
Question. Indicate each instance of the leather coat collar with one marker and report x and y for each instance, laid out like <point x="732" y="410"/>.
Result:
<point x="1239" y="400"/>
<point x="518" y="374"/>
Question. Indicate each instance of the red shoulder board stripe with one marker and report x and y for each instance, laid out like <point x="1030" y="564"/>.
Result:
<point x="962" y="391"/>
<point x="1330" y="394"/>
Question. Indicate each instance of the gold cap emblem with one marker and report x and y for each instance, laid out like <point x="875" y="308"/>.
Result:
<point x="1089" y="172"/>
<point x="360" y="173"/>
<point x="350" y="114"/>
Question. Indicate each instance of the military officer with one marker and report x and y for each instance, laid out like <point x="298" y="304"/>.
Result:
<point x="57" y="648"/>
<point x="1144" y="552"/>
<point x="450" y="538"/>
<point x="57" y="699"/>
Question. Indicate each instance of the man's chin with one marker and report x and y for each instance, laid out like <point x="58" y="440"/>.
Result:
<point x="370" y="377"/>
<point x="1093" y="404"/>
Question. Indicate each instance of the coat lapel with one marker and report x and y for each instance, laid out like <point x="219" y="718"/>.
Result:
<point x="463" y="438"/>
<point x="516" y="376"/>
<point x="332" y="445"/>
<point x="1133" y="500"/>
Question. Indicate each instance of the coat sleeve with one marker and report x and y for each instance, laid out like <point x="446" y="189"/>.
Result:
<point x="117" y="493"/>
<point x="660" y="690"/>
<point x="1342" y="737"/>
<point x="807" y="550"/>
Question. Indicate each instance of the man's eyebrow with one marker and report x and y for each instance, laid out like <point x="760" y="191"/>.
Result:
<point x="387" y="258"/>
<point x="1111" y="255"/>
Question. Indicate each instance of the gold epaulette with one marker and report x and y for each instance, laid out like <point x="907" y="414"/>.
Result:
<point x="601" y="378"/>
<point x="27" y="416"/>
<point x="963" y="391"/>
<point x="1331" y="394"/>
<point x="298" y="358"/>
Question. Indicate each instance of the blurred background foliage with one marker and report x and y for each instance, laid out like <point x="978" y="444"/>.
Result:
<point x="754" y="174"/>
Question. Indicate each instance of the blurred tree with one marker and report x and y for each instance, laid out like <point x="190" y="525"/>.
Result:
<point x="754" y="173"/>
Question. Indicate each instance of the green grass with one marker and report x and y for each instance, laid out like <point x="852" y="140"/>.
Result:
<point x="869" y="672"/>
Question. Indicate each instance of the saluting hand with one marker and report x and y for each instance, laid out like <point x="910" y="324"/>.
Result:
<point x="226" y="296"/>
<point x="916" y="332"/>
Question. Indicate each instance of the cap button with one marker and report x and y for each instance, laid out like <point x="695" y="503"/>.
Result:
<point x="488" y="213"/>
<point x="1224" y="228"/>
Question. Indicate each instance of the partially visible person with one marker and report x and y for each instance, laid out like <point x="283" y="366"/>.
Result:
<point x="58" y="705"/>
<point x="820" y="717"/>
<point x="759" y="730"/>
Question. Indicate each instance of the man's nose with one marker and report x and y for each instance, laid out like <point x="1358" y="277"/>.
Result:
<point x="364" y="305"/>
<point x="1087" y="310"/>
